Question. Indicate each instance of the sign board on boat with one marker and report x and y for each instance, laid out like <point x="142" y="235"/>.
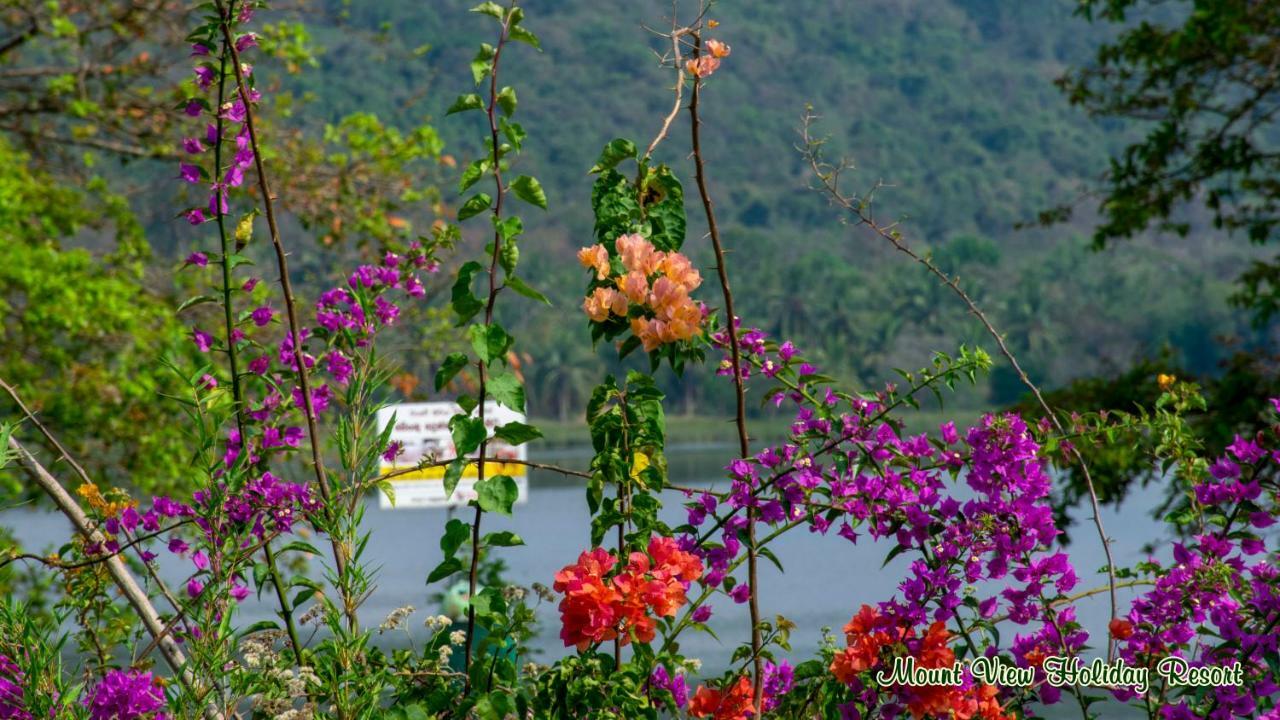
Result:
<point x="422" y="429"/>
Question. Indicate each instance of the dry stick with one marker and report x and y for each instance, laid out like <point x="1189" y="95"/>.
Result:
<point x="84" y="476"/>
<point x="828" y="176"/>
<point x="313" y="432"/>
<point x="500" y="191"/>
<point x="236" y="393"/>
<point x="744" y="445"/>
<point x="679" y="90"/>
<point x="129" y="587"/>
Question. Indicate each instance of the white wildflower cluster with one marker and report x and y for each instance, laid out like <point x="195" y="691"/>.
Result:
<point x="314" y="614"/>
<point x="259" y="649"/>
<point x="395" y="620"/>
<point x="544" y="593"/>
<point x="436" y="623"/>
<point x="513" y="593"/>
<point x="457" y="637"/>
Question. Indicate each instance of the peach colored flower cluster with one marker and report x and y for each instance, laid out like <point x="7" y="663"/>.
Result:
<point x="709" y="63"/>
<point x="659" y="282"/>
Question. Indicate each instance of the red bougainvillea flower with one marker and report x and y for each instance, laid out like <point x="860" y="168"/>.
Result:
<point x="1121" y="629"/>
<point x="864" y="644"/>
<point x="588" y="611"/>
<point x="597" y="608"/>
<point x="731" y="704"/>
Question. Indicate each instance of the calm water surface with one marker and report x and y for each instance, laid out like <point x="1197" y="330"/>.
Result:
<point x="826" y="578"/>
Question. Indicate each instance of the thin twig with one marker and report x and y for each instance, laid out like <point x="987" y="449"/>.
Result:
<point x="828" y="175"/>
<point x="133" y="593"/>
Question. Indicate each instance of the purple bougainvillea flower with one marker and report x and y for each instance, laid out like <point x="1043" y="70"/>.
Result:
<point x="203" y="340"/>
<point x="126" y="695"/>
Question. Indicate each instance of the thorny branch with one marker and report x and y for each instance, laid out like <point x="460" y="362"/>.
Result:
<point x="829" y="178"/>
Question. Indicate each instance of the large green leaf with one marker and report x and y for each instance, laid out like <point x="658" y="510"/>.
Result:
<point x="497" y="494"/>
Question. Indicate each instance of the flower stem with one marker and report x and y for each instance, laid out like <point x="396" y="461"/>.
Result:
<point x="339" y="552"/>
<point x="744" y="445"/>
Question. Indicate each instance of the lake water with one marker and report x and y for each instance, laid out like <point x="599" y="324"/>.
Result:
<point x="826" y="578"/>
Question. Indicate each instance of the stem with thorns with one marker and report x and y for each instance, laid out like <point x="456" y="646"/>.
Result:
<point x="291" y="310"/>
<point x="232" y="360"/>
<point x="744" y="444"/>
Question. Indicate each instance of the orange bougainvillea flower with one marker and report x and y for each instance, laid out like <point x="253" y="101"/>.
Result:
<point x="703" y="66"/>
<point x="987" y="703"/>
<point x="672" y="562"/>
<point x="635" y="286"/>
<point x="603" y="301"/>
<point x="596" y="257"/>
<point x="639" y="254"/>
<point x="934" y="652"/>
<point x="656" y="282"/>
<point x="678" y="268"/>
<point x="732" y="704"/>
<point x="717" y="49"/>
<point x="864" y="644"/>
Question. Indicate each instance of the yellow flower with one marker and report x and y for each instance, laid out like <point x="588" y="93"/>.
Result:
<point x="639" y="461"/>
<point x="1165" y="381"/>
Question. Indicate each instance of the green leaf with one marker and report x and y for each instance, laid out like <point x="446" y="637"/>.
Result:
<point x="452" y="474"/>
<point x="509" y="227"/>
<point x="468" y="101"/>
<point x="497" y="494"/>
<point x="482" y="63"/>
<point x="464" y="303"/>
<point x="520" y="34"/>
<point x="445" y="569"/>
<point x="468" y="433"/>
<point x="467" y="403"/>
<point x="615" y="152"/>
<point x="514" y="132"/>
<point x="472" y="175"/>
<point x="505" y="387"/>
<point x="507" y="101"/>
<point x="517" y="433"/>
<point x="489" y="341"/>
<point x="453" y="363"/>
<point x="476" y="205"/>
<point x="489" y="8"/>
<point x="197" y="300"/>
<point x="521" y="287"/>
<point x="456" y="533"/>
<point x="503" y="538"/>
<point x="529" y="190"/>
<point x="664" y="208"/>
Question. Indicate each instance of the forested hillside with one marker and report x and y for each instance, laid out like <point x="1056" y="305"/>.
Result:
<point x="950" y="104"/>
